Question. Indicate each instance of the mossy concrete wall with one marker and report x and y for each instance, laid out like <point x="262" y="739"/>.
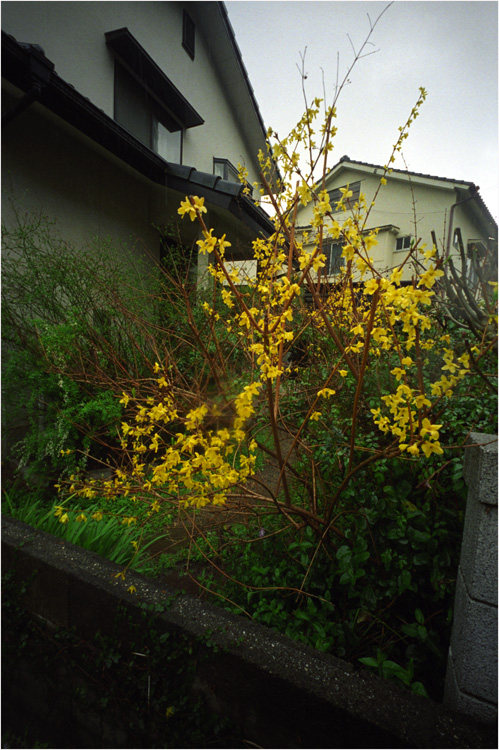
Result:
<point x="281" y="694"/>
<point x="471" y="681"/>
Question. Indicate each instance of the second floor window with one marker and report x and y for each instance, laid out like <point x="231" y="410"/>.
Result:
<point x="404" y="243"/>
<point x="146" y="102"/>
<point x="139" y="113"/>
<point x="188" y="35"/>
<point x="336" y="195"/>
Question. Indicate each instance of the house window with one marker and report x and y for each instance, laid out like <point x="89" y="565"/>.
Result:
<point x="139" y="112"/>
<point x="224" y="169"/>
<point x="404" y="243"/>
<point x="169" y="142"/>
<point x="188" y="35"/>
<point x="146" y="101"/>
<point x="336" y="195"/>
<point x="334" y="259"/>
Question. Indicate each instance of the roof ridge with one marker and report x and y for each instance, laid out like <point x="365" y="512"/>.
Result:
<point x="402" y="171"/>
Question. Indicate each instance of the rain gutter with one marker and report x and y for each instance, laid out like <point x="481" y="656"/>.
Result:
<point x="451" y="217"/>
<point x="37" y="76"/>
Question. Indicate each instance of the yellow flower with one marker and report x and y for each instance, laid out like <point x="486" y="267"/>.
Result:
<point x="126" y="428"/>
<point x="398" y="372"/>
<point x="429" y="278"/>
<point x="348" y="252"/>
<point x="132" y="589"/>
<point x="430" y="429"/>
<point x="421" y="401"/>
<point x="192" y="209"/>
<point x="429" y="448"/>
<point x="64" y="518"/>
<point x="208" y="244"/>
<point x="370" y="286"/>
<point x="327" y="392"/>
<point x="125" y="399"/>
<point x="227" y="298"/>
<point x="343" y="373"/>
<point x="304" y="194"/>
<point x="315" y="416"/>
<point x="396" y="276"/>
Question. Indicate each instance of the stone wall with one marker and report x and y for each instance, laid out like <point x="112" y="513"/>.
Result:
<point x="471" y="681"/>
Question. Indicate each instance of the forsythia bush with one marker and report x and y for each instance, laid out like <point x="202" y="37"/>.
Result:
<point x="373" y="346"/>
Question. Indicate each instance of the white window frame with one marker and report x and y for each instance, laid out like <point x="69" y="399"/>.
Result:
<point x="327" y="247"/>
<point x="407" y="240"/>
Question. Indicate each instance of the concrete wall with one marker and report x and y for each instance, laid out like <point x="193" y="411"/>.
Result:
<point x="279" y="693"/>
<point x="471" y="682"/>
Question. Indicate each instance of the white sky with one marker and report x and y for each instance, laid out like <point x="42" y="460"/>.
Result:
<point x="448" y="47"/>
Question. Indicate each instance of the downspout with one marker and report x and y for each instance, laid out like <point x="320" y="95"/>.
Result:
<point x="451" y="217"/>
<point x="39" y="70"/>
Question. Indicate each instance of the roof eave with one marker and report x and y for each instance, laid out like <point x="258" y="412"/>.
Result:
<point x="66" y="102"/>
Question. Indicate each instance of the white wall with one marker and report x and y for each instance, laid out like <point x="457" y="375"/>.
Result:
<point x="417" y="207"/>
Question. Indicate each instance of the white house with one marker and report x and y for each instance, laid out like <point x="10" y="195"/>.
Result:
<point x="410" y="206"/>
<point x="114" y="111"/>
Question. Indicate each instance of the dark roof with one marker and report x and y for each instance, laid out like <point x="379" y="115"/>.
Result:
<point x="470" y="185"/>
<point x="239" y="58"/>
<point x="21" y="66"/>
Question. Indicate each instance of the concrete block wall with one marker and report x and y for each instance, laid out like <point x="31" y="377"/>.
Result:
<point x="471" y="681"/>
<point x="279" y="692"/>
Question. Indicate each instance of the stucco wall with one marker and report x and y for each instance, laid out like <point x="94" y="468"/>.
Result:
<point x="72" y="35"/>
<point x="48" y="167"/>
<point x="402" y="203"/>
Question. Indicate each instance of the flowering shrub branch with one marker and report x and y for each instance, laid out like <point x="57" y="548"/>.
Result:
<point x="374" y="347"/>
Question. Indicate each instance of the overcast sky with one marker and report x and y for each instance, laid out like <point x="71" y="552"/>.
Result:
<point x="448" y="47"/>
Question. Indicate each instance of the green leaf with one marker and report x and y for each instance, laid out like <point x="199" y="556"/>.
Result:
<point x="343" y="552"/>
<point x="419" y="689"/>
<point x="369" y="661"/>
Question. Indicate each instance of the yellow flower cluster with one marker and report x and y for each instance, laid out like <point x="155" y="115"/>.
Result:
<point x="195" y="467"/>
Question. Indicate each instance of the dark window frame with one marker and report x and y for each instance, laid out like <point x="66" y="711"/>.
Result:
<point x="130" y="53"/>
<point x="188" y="35"/>
<point x="228" y="167"/>
<point x="335" y="196"/>
<point x="127" y="84"/>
